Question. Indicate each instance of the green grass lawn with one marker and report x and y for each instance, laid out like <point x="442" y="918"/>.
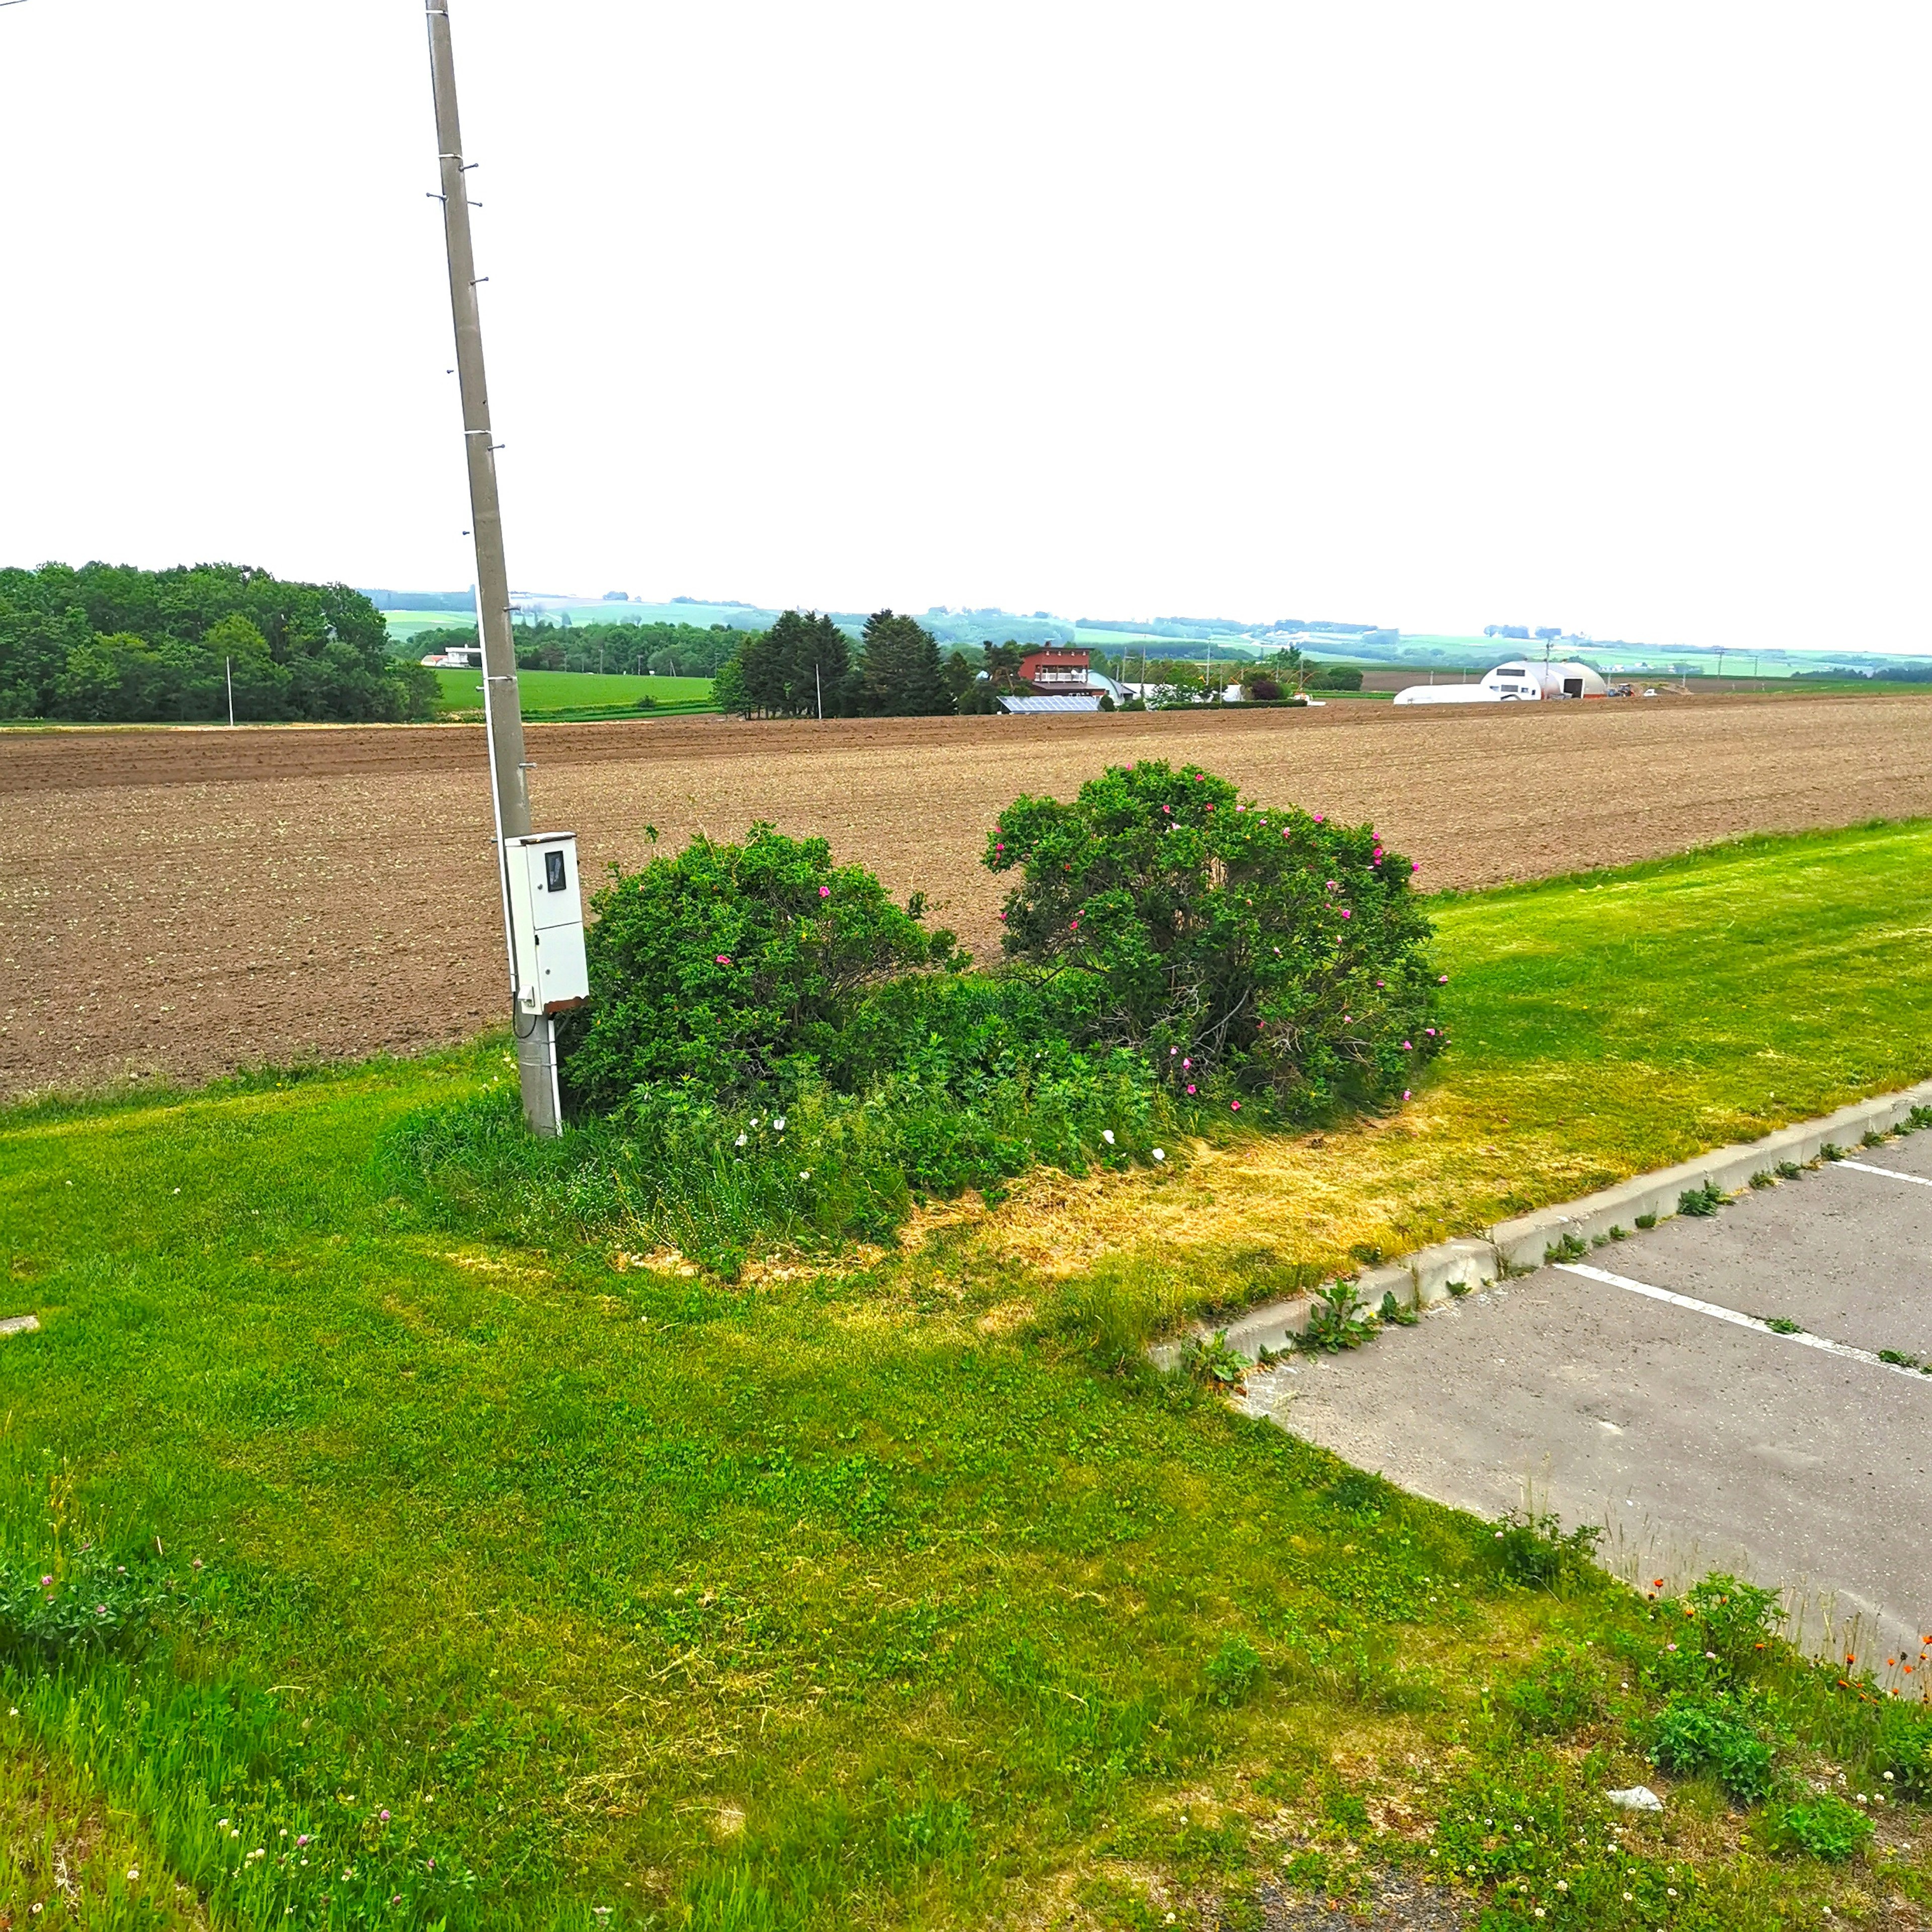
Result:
<point x="862" y="1595"/>
<point x="544" y="692"/>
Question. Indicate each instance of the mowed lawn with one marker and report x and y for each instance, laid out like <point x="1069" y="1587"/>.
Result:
<point x="542" y="691"/>
<point x="512" y="1586"/>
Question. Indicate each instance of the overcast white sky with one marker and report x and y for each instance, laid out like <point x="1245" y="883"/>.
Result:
<point x="1611" y="317"/>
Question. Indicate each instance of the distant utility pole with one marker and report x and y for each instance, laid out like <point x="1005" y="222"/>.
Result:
<point x="502" y="712"/>
<point x="228" y="672"/>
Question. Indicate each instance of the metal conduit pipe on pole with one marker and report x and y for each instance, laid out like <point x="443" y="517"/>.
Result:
<point x="502" y="712"/>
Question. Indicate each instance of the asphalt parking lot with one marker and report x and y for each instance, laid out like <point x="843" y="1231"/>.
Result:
<point x="1700" y="1437"/>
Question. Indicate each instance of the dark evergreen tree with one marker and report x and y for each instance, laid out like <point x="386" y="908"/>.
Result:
<point x="814" y="657"/>
<point x="900" y="673"/>
<point x="960" y="677"/>
<point x="783" y="669"/>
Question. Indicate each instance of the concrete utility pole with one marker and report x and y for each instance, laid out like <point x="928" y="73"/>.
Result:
<point x="502" y="713"/>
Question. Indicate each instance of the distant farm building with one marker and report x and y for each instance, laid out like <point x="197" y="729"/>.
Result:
<point x="1524" y="679"/>
<point x="1058" y="678"/>
<point x="1516" y="681"/>
<point x="1056" y="668"/>
<point x="1063" y="700"/>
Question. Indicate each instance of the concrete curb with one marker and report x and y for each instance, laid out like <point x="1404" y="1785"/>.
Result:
<point x="1515" y="1247"/>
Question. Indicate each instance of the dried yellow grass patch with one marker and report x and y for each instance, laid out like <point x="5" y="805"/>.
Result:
<point x="1451" y="1164"/>
<point x="1306" y="1199"/>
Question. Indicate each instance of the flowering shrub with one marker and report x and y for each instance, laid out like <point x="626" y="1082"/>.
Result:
<point x="1264" y="950"/>
<point x="733" y="966"/>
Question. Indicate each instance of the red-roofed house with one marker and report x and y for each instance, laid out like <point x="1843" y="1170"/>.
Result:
<point x="1055" y="668"/>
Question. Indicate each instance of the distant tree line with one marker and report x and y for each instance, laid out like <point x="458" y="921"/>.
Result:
<point x="663" y="650"/>
<point x="1900" y="673"/>
<point x="805" y="665"/>
<point x="108" y="643"/>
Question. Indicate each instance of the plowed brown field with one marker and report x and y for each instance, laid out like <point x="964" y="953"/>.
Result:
<point x="185" y="902"/>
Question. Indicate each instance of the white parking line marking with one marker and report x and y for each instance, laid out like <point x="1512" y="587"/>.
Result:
<point x="1890" y="1173"/>
<point x="1737" y="1321"/>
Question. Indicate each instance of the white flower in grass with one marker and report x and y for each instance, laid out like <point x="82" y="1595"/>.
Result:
<point x="778" y="1121"/>
<point x="1160" y="1153"/>
<point x="740" y="1141"/>
<point x="1107" y="1134"/>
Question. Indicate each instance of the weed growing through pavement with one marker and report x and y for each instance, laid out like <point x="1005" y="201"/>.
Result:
<point x="1393" y="1315"/>
<point x="1337" y="1321"/>
<point x="1646" y="1222"/>
<point x="1214" y="1363"/>
<point x="1781" y="1325"/>
<point x="1700" y="1203"/>
<point x="1789" y="1170"/>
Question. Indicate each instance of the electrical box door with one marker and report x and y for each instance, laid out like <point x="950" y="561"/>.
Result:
<point x="546" y="918"/>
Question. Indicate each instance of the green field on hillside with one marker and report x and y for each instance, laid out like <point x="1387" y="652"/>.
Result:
<point x="546" y="691"/>
<point x="404" y="624"/>
<point x="567" y="1586"/>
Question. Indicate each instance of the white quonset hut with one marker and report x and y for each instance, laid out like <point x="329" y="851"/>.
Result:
<point x="1513" y="681"/>
<point x="1523" y="679"/>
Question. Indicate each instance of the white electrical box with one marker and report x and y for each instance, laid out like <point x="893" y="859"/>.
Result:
<point x="547" y="919"/>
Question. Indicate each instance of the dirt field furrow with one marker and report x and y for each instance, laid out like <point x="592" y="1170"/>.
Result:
<point x="187" y="901"/>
